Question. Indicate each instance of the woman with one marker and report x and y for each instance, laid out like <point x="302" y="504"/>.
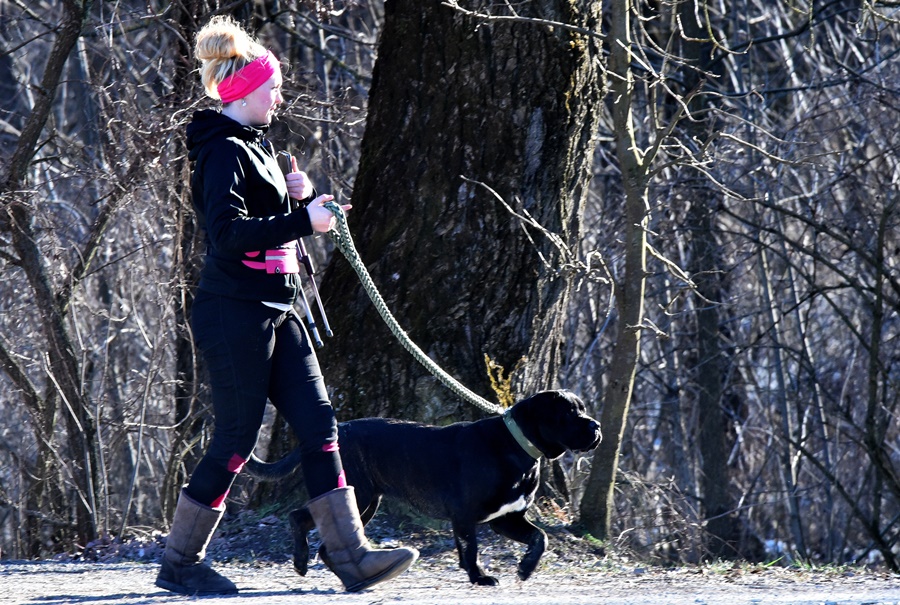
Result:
<point x="254" y="344"/>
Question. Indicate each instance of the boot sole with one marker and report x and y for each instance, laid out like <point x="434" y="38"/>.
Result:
<point x="180" y="589"/>
<point x="388" y="574"/>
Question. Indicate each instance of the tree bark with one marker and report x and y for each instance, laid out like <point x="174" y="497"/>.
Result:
<point x="456" y="101"/>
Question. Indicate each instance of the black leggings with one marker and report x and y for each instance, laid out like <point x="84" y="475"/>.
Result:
<point x="255" y="354"/>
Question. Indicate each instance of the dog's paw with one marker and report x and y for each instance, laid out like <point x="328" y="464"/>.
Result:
<point x="301" y="565"/>
<point x="486" y="581"/>
<point x="527" y="567"/>
<point x="301" y="561"/>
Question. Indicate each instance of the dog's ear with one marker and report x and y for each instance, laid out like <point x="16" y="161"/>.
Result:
<point x="573" y="399"/>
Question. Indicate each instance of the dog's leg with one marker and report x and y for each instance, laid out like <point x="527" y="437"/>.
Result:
<point x="516" y="527"/>
<point x="301" y="524"/>
<point x="467" y="547"/>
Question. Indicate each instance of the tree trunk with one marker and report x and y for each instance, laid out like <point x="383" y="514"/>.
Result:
<point x="456" y="101"/>
<point x="722" y="530"/>
<point x="877" y="417"/>
<point x="186" y="274"/>
<point x="597" y="502"/>
<point x="61" y="365"/>
<point x="708" y="376"/>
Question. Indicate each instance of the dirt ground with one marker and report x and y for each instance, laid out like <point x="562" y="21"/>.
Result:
<point x="440" y="582"/>
<point x="254" y="553"/>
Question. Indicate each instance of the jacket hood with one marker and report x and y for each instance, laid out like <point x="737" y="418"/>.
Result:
<point x="208" y="124"/>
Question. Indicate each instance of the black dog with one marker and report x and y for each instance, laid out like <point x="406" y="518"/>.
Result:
<point x="468" y="473"/>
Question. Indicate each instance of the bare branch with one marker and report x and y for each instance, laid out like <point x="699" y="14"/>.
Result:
<point x="487" y="17"/>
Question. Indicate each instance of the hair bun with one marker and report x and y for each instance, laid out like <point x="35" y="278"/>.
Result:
<point x="221" y="39"/>
<point x="223" y="47"/>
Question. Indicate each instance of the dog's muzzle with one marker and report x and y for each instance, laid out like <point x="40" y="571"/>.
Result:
<point x="597" y="437"/>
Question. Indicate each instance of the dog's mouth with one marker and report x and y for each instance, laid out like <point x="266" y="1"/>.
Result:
<point x="596" y="438"/>
<point x="588" y="448"/>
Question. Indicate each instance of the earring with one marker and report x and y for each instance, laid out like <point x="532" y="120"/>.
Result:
<point x="243" y="103"/>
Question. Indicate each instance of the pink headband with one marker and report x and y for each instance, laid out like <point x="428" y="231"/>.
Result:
<point x="248" y="78"/>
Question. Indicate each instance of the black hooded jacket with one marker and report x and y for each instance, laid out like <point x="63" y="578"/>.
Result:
<point x="241" y="200"/>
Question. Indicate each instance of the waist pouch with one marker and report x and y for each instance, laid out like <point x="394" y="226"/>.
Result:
<point x="279" y="260"/>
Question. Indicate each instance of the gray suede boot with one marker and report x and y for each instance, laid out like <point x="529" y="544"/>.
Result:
<point x="349" y="555"/>
<point x="183" y="570"/>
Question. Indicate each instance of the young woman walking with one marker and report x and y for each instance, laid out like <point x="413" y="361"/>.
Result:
<point x="254" y="344"/>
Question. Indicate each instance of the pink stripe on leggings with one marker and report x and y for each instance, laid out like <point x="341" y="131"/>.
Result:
<point x="219" y="503"/>
<point x="236" y="464"/>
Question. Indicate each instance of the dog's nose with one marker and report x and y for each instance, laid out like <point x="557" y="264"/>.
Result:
<point x="596" y="426"/>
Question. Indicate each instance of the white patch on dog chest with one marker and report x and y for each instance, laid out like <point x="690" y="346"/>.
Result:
<point x="512" y="507"/>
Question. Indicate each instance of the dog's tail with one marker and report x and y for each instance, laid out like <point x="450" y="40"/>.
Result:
<point x="270" y="471"/>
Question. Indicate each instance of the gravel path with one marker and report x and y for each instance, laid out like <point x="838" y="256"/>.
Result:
<point x="439" y="582"/>
<point x="572" y="572"/>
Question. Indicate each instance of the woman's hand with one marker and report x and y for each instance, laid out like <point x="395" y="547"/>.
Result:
<point x="323" y="219"/>
<point x="298" y="184"/>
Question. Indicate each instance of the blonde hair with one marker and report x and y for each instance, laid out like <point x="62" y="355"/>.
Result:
<point x="223" y="47"/>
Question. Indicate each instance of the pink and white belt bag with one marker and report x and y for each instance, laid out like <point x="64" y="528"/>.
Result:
<point x="279" y="260"/>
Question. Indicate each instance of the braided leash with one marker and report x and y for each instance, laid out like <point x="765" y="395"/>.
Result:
<point x="343" y="242"/>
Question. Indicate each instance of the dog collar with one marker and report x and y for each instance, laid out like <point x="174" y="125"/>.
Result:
<point x="530" y="448"/>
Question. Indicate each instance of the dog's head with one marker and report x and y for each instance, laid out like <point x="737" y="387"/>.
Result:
<point x="556" y="421"/>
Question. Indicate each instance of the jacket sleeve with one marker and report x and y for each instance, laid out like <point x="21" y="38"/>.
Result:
<point x="230" y="225"/>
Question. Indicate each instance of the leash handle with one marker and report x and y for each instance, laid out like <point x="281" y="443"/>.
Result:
<point x="285" y="163"/>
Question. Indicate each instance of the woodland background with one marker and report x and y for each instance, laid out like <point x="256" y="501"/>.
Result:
<point x="685" y="211"/>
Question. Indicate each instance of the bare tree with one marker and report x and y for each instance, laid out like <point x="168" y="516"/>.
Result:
<point x="703" y="155"/>
<point x="737" y="208"/>
<point x="597" y="503"/>
<point x="61" y="397"/>
<point x="460" y="105"/>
